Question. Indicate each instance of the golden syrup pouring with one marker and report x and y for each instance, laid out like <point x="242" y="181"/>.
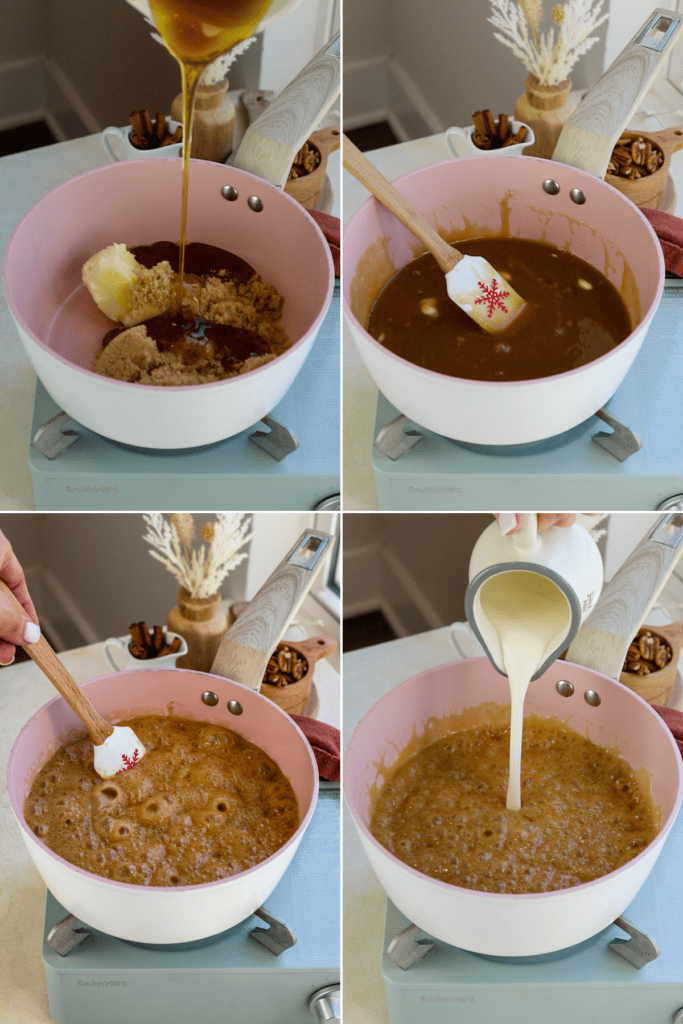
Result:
<point x="197" y="32"/>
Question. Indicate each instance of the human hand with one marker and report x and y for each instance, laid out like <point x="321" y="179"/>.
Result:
<point x="511" y="522"/>
<point x="14" y="628"/>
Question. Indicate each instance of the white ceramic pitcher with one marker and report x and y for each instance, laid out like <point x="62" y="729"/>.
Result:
<point x="566" y="555"/>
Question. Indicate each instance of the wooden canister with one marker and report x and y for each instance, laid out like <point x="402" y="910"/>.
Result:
<point x="648" y="191"/>
<point x="656" y="687"/>
<point x="294" y="696"/>
<point x="308" y="188"/>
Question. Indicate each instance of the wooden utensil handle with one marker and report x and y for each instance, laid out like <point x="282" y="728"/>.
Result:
<point x="588" y="137"/>
<point x="317" y="647"/>
<point x="244" y="650"/>
<point x="670" y="140"/>
<point x="604" y="638"/>
<point x="273" y="140"/>
<point x="371" y="179"/>
<point x="46" y="659"/>
<point x="327" y="140"/>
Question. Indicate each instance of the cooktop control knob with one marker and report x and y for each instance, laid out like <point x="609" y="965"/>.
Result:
<point x="330" y="504"/>
<point x="674" y="504"/>
<point x="325" y="1004"/>
<point x="678" y="1018"/>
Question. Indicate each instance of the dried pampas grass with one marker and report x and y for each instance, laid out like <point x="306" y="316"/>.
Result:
<point x="200" y="571"/>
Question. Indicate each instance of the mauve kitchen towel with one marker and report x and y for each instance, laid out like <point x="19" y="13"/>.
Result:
<point x="674" y="720"/>
<point x="329" y="226"/>
<point x="324" y="740"/>
<point x="669" y="231"/>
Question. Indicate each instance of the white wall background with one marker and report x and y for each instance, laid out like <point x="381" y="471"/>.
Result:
<point x="425" y="66"/>
<point x="414" y="567"/>
<point x="101" y="568"/>
<point x="88" y="64"/>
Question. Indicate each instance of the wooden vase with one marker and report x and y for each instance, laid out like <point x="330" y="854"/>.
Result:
<point x="202" y="623"/>
<point x="656" y="687"/>
<point x="545" y="108"/>
<point x="214" y="121"/>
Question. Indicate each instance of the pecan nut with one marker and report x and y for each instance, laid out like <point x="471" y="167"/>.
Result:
<point x="647" y="653"/>
<point x="634" y="158"/>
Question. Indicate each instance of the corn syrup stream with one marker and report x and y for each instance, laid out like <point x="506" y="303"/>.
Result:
<point x="196" y="32"/>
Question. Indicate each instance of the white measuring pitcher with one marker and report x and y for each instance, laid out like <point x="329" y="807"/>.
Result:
<point x="567" y="556"/>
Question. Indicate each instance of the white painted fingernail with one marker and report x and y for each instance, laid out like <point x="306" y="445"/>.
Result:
<point x="31" y="633"/>
<point x="507" y="521"/>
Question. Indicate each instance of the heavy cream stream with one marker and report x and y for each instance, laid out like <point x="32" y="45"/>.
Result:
<point x="527" y="611"/>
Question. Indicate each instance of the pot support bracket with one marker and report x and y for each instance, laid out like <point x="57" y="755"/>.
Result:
<point x="639" y="950"/>
<point x="394" y="439"/>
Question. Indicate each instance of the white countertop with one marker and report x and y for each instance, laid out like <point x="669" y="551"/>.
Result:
<point x="23" y="690"/>
<point x="24" y="178"/>
<point x="360" y="391"/>
<point x="368" y="675"/>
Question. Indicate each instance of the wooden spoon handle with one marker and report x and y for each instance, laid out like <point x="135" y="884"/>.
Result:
<point x="589" y="135"/>
<point x="46" y="659"/>
<point x="371" y="179"/>
<point x="244" y="650"/>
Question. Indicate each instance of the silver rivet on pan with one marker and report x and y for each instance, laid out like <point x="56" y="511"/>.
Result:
<point x="234" y="707"/>
<point x="564" y="687"/>
<point x="592" y="698"/>
<point x="255" y="203"/>
<point x="577" y="196"/>
<point x="210" y="698"/>
<point x="551" y="187"/>
<point x="230" y="193"/>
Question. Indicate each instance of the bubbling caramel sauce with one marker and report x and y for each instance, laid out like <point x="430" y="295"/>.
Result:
<point x="202" y="804"/>
<point x="583" y="811"/>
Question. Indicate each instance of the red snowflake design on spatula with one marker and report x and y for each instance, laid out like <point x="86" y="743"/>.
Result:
<point x="129" y="762"/>
<point x="492" y="297"/>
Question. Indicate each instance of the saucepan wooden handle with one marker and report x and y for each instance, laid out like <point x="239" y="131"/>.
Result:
<point x="46" y="659"/>
<point x="273" y="140"/>
<point x="244" y="650"/>
<point x="591" y="131"/>
<point x="604" y="638"/>
<point x="371" y="179"/>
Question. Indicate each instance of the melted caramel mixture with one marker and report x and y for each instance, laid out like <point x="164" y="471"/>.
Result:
<point x="583" y="814"/>
<point x="202" y="804"/>
<point x="573" y="315"/>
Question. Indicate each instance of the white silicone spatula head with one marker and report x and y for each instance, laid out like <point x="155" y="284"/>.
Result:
<point x="471" y="281"/>
<point x="117" y="748"/>
<point x="120" y="751"/>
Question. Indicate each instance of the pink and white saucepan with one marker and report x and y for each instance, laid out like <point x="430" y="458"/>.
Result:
<point x="576" y="211"/>
<point x="138" y="202"/>
<point x="426" y="706"/>
<point x="158" y="914"/>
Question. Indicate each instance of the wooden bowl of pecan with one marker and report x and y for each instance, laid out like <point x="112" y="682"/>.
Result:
<point x="307" y="175"/>
<point x="651" y="662"/>
<point x="289" y="675"/>
<point x="639" y="165"/>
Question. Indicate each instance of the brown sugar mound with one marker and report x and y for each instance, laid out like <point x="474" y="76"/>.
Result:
<point x="134" y="356"/>
<point x="150" y="294"/>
